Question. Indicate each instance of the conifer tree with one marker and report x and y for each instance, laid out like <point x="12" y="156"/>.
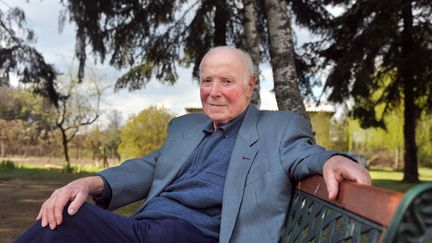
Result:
<point x="18" y="57"/>
<point x="151" y="37"/>
<point x="373" y="39"/>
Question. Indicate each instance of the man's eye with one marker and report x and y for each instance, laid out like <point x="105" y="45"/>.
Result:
<point x="226" y="81"/>
<point x="206" y="82"/>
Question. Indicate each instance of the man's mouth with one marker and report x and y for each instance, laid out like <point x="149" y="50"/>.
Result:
<point x="212" y="104"/>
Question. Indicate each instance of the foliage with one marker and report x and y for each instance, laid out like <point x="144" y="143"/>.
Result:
<point x="25" y="123"/>
<point x="144" y="133"/>
<point x="27" y="128"/>
<point x="10" y="107"/>
<point x="93" y="140"/>
<point x="371" y="142"/>
<point x="7" y="165"/>
<point x="103" y="143"/>
<point x="321" y="125"/>
<point x="76" y="110"/>
<point x="113" y="134"/>
<point x="381" y="147"/>
<point x="146" y="36"/>
<point x="365" y="43"/>
<point x="424" y="140"/>
<point x="17" y="56"/>
<point x="375" y="40"/>
<point x="151" y="37"/>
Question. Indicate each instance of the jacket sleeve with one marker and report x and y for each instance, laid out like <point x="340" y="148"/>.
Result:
<point x="300" y="155"/>
<point x="131" y="180"/>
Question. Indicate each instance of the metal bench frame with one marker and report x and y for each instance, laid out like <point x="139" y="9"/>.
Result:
<point x="360" y="214"/>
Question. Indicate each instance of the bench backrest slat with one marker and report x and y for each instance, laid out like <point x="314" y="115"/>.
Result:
<point x="374" y="203"/>
<point x="360" y="214"/>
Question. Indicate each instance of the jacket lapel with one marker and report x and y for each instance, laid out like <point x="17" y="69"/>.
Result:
<point x="243" y="154"/>
<point x="168" y="169"/>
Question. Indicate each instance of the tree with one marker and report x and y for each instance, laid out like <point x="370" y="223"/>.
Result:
<point x="424" y="139"/>
<point x="105" y="143"/>
<point x="114" y="120"/>
<point x="113" y="134"/>
<point x="252" y="40"/>
<point x="16" y="136"/>
<point x="10" y="107"/>
<point x="94" y="140"/>
<point x="148" y="37"/>
<point x="282" y="57"/>
<point x="152" y="37"/>
<point x="289" y="76"/>
<point x="76" y="110"/>
<point x="144" y="133"/>
<point x="18" y="57"/>
<point x="372" y="39"/>
<point x="26" y="121"/>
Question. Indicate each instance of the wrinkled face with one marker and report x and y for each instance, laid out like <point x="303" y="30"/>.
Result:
<point x="224" y="92"/>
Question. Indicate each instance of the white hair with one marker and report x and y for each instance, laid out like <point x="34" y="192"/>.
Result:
<point x="249" y="65"/>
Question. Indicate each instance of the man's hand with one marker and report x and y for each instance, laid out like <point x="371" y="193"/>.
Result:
<point x="51" y="212"/>
<point x="339" y="168"/>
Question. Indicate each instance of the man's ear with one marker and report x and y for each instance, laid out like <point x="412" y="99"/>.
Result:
<point x="251" y="85"/>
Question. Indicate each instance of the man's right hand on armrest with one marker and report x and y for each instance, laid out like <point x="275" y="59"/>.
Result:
<point x="51" y="212"/>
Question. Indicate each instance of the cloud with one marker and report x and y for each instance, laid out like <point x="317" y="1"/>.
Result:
<point x="42" y="17"/>
<point x="185" y="93"/>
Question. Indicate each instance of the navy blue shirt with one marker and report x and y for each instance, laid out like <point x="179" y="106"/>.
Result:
<point x="196" y="193"/>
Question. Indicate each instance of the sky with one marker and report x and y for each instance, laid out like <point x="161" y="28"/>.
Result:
<point x="58" y="49"/>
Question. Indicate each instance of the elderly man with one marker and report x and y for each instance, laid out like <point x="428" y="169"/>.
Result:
<point x="223" y="176"/>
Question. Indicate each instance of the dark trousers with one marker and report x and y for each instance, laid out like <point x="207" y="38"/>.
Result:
<point x="93" y="224"/>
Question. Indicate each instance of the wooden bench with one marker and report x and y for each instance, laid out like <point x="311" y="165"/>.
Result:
<point x="360" y="214"/>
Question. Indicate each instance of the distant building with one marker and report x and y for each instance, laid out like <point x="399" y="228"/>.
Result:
<point x="192" y="110"/>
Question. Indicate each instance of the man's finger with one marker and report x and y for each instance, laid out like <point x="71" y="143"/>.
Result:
<point x="333" y="189"/>
<point x="356" y="173"/>
<point x="58" y="210"/>
<point x="332" y="185"/>
<point x="44" y="221"/>
<point x="364" y="177"/>
<point x="77" y="203"/>
<point x="39" y="216"/>
<point x="51" y="217"/>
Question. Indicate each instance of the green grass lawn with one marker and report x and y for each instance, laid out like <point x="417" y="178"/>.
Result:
<point x="54" y="177"/>
<point x="381" y="177"/>
<point x="391" y="179"/>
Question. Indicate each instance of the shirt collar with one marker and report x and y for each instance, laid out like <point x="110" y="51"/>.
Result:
<point x="229" y="129"/>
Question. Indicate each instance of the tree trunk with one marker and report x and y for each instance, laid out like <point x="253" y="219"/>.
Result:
<point x="105" y="157"/>
<point x="2" y="149"/>
<point x="396" y="161"/>
<point x="282" y="58"/>
<point x="67" y="166"/>
<point x="78" y="151"/>
<point x="220" y="21"/>
<point x="252" y="44"/>
<point x="410" y="112"/>
<point x="410" y="153"/>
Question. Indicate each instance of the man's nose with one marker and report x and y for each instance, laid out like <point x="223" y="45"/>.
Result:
<point x="215" y="89"/>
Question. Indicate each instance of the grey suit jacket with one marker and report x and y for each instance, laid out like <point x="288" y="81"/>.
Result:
<point x="273" y="150"/>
